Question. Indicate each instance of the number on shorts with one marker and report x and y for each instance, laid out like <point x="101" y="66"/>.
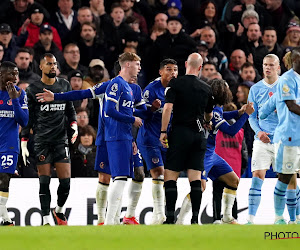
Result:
<point x="7" y="160"/>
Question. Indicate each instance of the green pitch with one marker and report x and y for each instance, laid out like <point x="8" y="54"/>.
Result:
<point x="149" y="237"/>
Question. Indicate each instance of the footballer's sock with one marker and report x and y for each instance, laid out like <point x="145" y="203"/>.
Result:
<point x="291" y="203"/>
<point x="185" y="209"/>
<point x="254" y="197"/>
<point x="279" y="198"/>
<point x="298" y="203"/>
<point x="171" y="197"/>
<point x="101" y="200"/>
<point x="158" y="199"/>
<point x="114" y="199"/>
<point x="62" y="193"/>
<point x="46" y="219"/>
<point x="134" y="193"/>
<point x="196" y="196"/>
<point x="45" y="196"/>
<point x="229" y="194"/>
<point x="118" y="214"/>
<point x="218" y="187"/>
<point x="3" y="209"/>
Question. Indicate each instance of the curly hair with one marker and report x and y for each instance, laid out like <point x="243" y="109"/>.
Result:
<point x="220" y="91"/>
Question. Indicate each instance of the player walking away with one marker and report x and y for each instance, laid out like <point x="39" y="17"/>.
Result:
<point x="286" y="138"/>
<point x="216" y="167"/>
<point x="148" y="136"/>
<point x="48" y="121"/>
<point x="13" y="112"/>
<point x="191" y="101"/>
<point x="263" y="147"/>
<point x="119" y="111"/>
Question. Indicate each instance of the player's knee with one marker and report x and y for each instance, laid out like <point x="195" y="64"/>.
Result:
<point x="64" y="185"/>
<point x="104" y="178"/>
<point x="139" y="174"/>
<point x="4" y="182"/>
<point x="44" y="184"/>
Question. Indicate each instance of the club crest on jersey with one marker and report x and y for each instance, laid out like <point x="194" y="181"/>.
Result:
<point x="102" y="165"/>
<point x="270" y="94"/>
<point x="146" y="95"/>
<point x="9" y="102"/>
<point x="289" y="165"/>
<point x="42" y="158"/>
<point x="114" y="87"/>
<point x="155" y="160"/>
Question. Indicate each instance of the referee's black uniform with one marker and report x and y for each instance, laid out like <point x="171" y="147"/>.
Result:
<point x="191" y="98"/>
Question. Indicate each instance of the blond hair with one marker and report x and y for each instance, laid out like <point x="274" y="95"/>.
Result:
<point x="128" y="57"/>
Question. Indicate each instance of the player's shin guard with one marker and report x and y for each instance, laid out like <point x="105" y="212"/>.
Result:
<point x="291" y="203"/>
<point x="171" y="197"/>
<point x="298" y="203"/>
<point x="279" y="198"/>
<point x="101" y="201"/>
<point x="45" y="196"/>
<point x="134" y="193"/>
<point x="229" y="194"/>
<point x="184" y="210"/>
<point x="114" y="198"/>
<point x="196" y="196"/>
<point x="254" y="197"/>
<point x="158" y="200"/>
<point x="62" y="194"/>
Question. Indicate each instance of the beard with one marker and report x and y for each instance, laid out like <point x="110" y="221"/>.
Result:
<point x="50" y="74"/>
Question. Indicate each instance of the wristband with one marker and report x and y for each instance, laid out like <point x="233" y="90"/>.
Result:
<point x="163" y="132"/>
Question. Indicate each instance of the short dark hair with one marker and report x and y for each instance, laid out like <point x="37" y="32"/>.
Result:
<point x="6" y="65"/>
<point x="269" y="28"/>
<point x="87" y="130"/>
<point x="247" y="65"/>
<point x="49" y="55"/>
<point x="80" y="109"/>
<point x="220" y="90"/>
<point x="89" y="24"/>
<point x="210" y="63"/>
<point x="23" y="50"/>
<point x="167" y="61"/>
<point x="115" y="5"/>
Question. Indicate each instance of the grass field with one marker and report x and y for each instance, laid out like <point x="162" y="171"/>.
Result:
<point x="149" y="237"/>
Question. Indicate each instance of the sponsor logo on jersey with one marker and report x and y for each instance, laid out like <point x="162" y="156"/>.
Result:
<point x="53" y="107"/>
<point x="128" y="104"/>
<point x="7" y="113"/>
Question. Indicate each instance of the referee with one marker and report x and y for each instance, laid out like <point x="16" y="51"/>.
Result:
<point x="192" y="104"/>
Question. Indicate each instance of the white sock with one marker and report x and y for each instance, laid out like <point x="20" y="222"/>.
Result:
<point x="3" y="209"/>
<point x="59" y="209"/>
<point x="134" y="193"/>
<point x="46" y="219"/>
<point x="158" y="199"/>
<point x="118" y="214"/>
<point x="186" y="207"/>
<point x="251" y="218"/>
<point x="114" y="198"/>
<point x="101" y="201"/>
<point x="227" y="203"/>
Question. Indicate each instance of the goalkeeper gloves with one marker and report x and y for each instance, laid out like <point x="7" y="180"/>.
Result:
<point x="74" y="128"/>
<point x="25" y="152"/>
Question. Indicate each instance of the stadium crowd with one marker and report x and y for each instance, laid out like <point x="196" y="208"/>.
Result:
<point x="87" y="37"/>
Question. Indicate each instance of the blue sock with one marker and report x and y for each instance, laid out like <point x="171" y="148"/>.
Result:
<point x="298" y="200"/>
<point x="291" y="203"/>
<point x="279" y="197"/>
<point x="255" y="195"/>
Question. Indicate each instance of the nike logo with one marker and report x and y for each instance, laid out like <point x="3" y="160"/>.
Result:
<point x="206" y="219"/>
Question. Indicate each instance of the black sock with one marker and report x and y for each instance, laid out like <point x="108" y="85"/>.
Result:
<point x="63" y="191"/>
<point x="218" y="187"/>
<point x="196" y="196"/>
<point x="171" y="197"/>
<point x="45" y="196"/>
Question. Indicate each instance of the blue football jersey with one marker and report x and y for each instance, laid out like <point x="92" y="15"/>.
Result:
<point x="9" y="128"/>
<point x="119" y="95"/>
<point x="149" y="133"/>
<point x="287" y="130"/>
<point x="217" y="120"/>
<point x="259" y="94"/>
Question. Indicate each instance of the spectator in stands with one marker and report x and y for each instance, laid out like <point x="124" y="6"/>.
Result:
<point x="1" y="51"/>
<point x="90" y="47"/>
<point x="214" y="54"/>
<point x="84" y="153"/>
<point x="65" y="19"/>
<point x="23" y="85"/>
<point x="95" y="75"/>
<point x="232" y="73"/>
<point x="292" y="38"/>
<point x="269" y="39"/>
<point x="253" y="46"/>
<point x="46" y="45"/>
<point x="174" y="8"/>
<point x="10" y="42"/>
<point x="36" y="20"/>
<point x="72" y="58"/>
<point x="280" y="16"/>
<point x="160" y="25"/>
<point x="98" y="9"/>
<point x="208" y="68"/>
<point x="175" y="44"/>
<point x="249" y="73"/>
<point x="82" y="117"/>
<point x="22" y="61"/>
<point x="127" y="6"/>
<point x="203" y="50"/>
